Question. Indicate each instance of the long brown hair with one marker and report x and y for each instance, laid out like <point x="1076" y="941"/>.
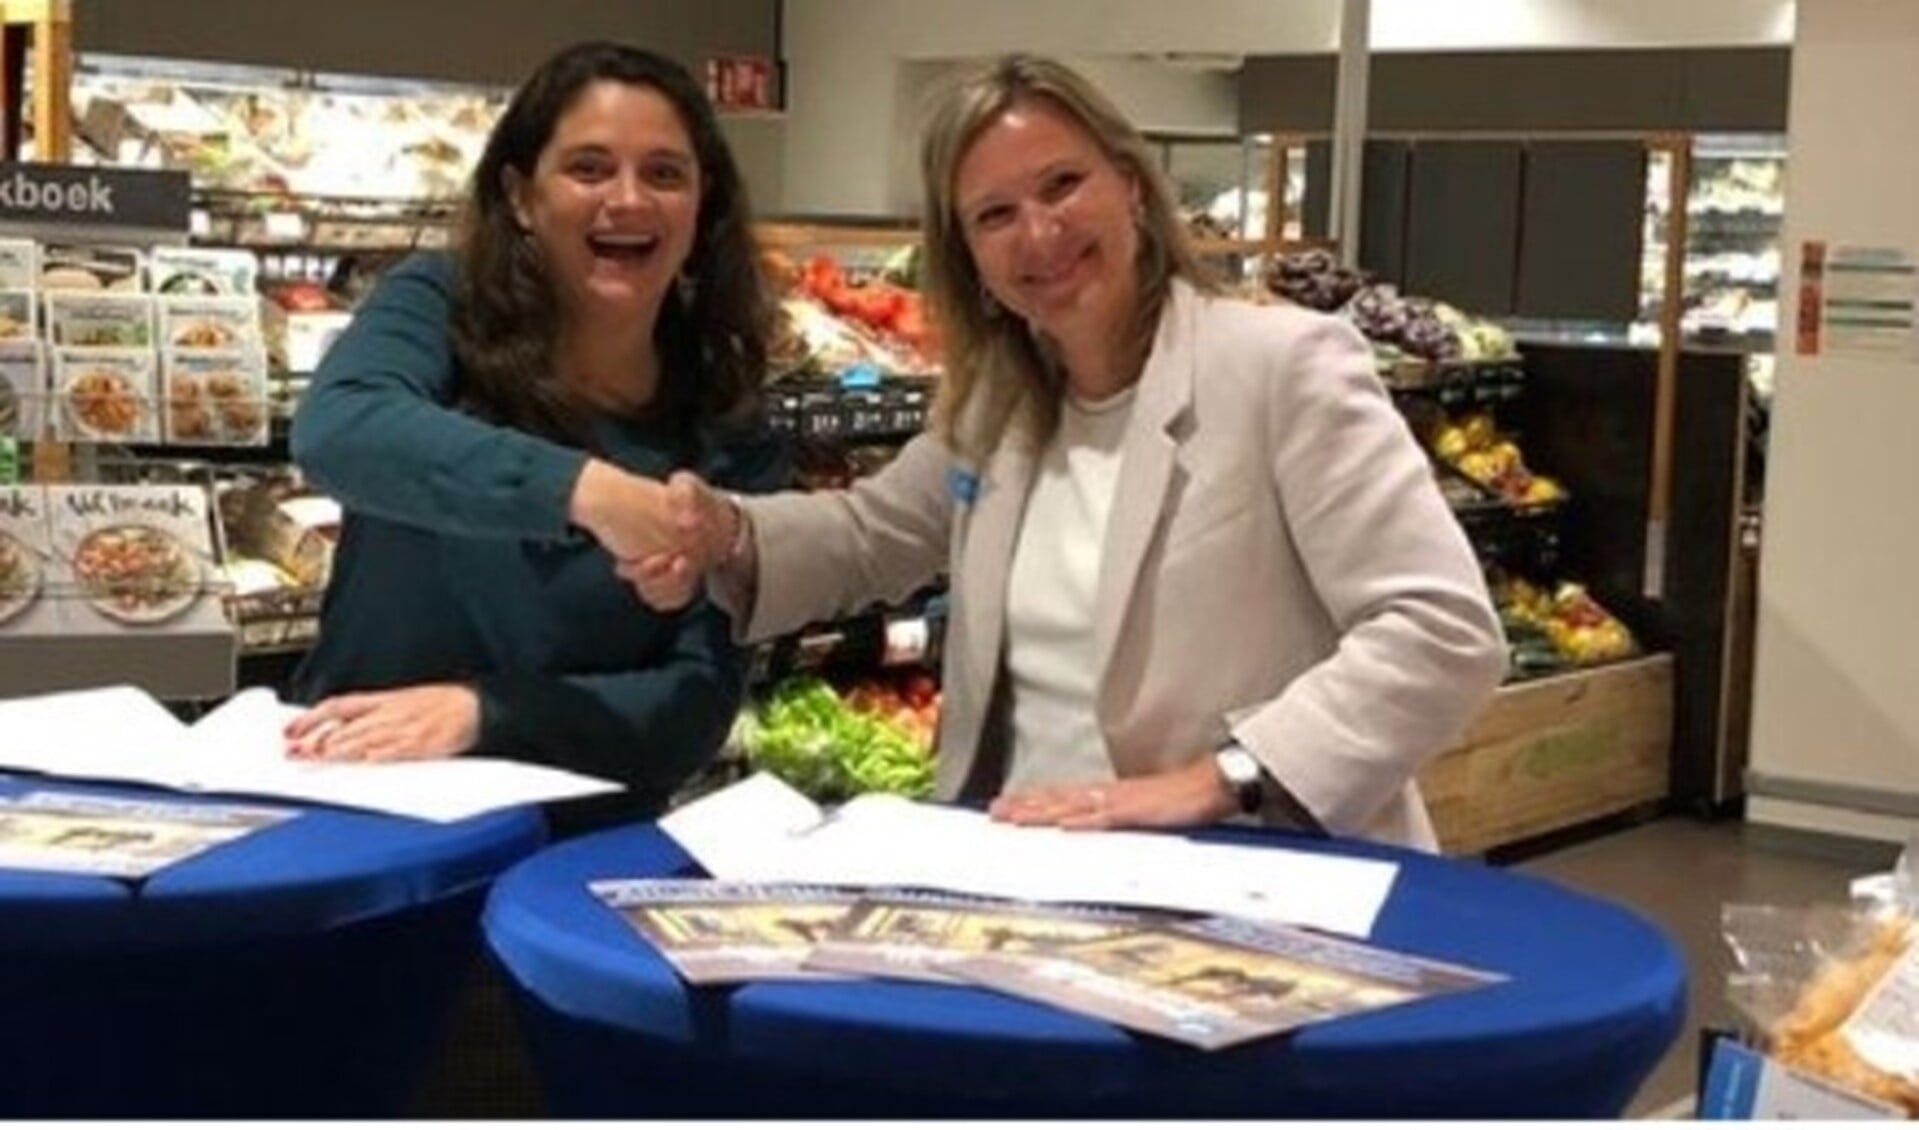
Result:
<point x="998" y="379"/>
<point x="711" y="333"/>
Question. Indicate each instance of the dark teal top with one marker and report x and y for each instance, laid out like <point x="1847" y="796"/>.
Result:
<point x="457" y="562"/>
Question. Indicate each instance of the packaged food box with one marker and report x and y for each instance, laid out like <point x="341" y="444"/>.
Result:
<point x="19" y="264"/>
<point x="107" y="321"/>
<point x="215" y="396"/>
<point x="104" y="395"/>
<point x="69" y="266"/>
<point x="135" y="556"/>
<point x="205" y="272"/>
<point x="18" y="316"/>
<point x="209" y="323"/>
<point x="296" y="533"/>
<point x="23" y="390"/>
<point x="24" y="548"/>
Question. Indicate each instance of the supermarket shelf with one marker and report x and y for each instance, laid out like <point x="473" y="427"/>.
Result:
<point x="894" y="408"/>
<point x="1526" y="535"/>
<point x="1453" y="383"/>
<point x="275" y="221"/>
<point x="1533" y="672"/>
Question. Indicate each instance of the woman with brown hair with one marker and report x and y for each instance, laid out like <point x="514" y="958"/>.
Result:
<point x="496" y="422"/>
<point x="1199" y="565"/>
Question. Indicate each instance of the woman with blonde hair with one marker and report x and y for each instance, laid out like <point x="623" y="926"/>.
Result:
<point x="1199" y="566"/>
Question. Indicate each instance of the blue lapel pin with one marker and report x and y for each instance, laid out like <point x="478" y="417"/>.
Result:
<point x="963" y="484"/>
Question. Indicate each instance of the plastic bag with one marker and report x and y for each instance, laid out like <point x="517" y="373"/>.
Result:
<point x="1833" y="989"/>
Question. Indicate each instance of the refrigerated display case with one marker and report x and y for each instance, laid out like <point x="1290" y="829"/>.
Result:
<point x="267" y="130"/>
<point x="1735" y="204"/>
<point x="1223" y="184"/>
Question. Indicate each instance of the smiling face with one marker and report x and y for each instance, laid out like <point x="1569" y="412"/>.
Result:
<point x="613" y="201"/>
<point x="1049" y="221"/>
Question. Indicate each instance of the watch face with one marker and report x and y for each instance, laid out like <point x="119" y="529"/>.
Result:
<point x="1242" y="773"/>
<point x="1238" y="767"/>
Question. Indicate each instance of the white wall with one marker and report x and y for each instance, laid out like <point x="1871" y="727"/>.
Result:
<point x="845" y="122"/>
<point x="1156" y="97"/>
<point x="759" y="147"/>
<point x="924" y="29"/>
<point x="1446" y="25"/>
<point x="1836" y="694"/>
<point x="852" y="112"/>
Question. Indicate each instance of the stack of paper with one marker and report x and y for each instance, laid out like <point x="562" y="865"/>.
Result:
<point x="761" y="830"/>
<point x="122" y="734"/>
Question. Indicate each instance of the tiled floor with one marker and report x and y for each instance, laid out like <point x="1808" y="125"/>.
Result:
<point x="1678" y="872"/>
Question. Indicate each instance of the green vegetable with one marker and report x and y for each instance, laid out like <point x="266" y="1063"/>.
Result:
<point x="806" y="735"/>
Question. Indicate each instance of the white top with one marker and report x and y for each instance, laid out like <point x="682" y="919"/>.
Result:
<point x="1050" y="597"/>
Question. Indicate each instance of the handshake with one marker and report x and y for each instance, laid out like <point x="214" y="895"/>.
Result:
<point x="664" y="537"/>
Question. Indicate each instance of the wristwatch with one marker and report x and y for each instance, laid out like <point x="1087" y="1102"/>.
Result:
<point x="1244" y="776"/>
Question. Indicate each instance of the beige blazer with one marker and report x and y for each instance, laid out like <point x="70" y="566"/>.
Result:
<point x="1279" y="567"/>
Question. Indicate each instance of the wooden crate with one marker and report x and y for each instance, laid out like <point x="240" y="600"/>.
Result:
<point x="1554" y="753"/>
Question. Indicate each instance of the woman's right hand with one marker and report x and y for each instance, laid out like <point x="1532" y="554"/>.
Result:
<point x="707" y="526"/>
<point x="626" y="513"/>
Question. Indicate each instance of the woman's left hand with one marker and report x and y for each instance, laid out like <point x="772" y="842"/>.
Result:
<point x="1190" y="795"/>
<point x="410" y="724"/>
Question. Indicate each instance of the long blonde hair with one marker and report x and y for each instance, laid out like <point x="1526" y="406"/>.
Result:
<point x="998" y="379"/>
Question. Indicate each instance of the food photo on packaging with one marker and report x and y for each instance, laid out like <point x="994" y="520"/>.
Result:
<point x="67" y="266"/>
<point x="19" y="264"/>
<point x="17" y="320"/>
<point x="209" y="323"/>
<point x="104" y="395"/>
<point x="107" y="321"/>
<point x="23" y="390"/>
<point x="19" y="578"/>
<point x="215" y="396"/>
<point x="205" y="272"/>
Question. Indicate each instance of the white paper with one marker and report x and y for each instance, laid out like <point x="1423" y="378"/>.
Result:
<point x="1884" y="1029"/>
<point x="112" y="732"/>
<point x="762" y="830"/>
<point x="312" y="510"/>
<point x="762" y="805"/>
<point x="122" y="734"/>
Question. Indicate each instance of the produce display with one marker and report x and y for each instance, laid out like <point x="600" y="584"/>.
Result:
<point x="1473" y="445"/>
<point x="875" y="738"/>
<point x="832" y="322"/>
<point x="1548" y="627"/>
<point x="1401" y="327"/>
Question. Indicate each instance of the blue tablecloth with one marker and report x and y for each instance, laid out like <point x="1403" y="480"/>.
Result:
<point x="1595" y="996"/>
<point x="306" y="969"/>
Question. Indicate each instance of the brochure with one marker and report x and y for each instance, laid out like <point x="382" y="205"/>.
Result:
<point x="129" y="839"/>
<point x="716" y="932"/>
<point x="916" y="935"/>
<point x="1219" y="981"/>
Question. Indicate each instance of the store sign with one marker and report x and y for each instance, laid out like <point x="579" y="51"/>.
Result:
<point x="743" y="82"/>
<point x="1866" y="298"/>
<point x="67" y="194"/>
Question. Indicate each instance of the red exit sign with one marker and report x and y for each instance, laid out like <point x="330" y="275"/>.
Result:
<point x="743" y="82"/>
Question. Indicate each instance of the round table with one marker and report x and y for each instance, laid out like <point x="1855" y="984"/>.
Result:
<point x="1595" y="996"/>
<point x="306" y="969"/>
